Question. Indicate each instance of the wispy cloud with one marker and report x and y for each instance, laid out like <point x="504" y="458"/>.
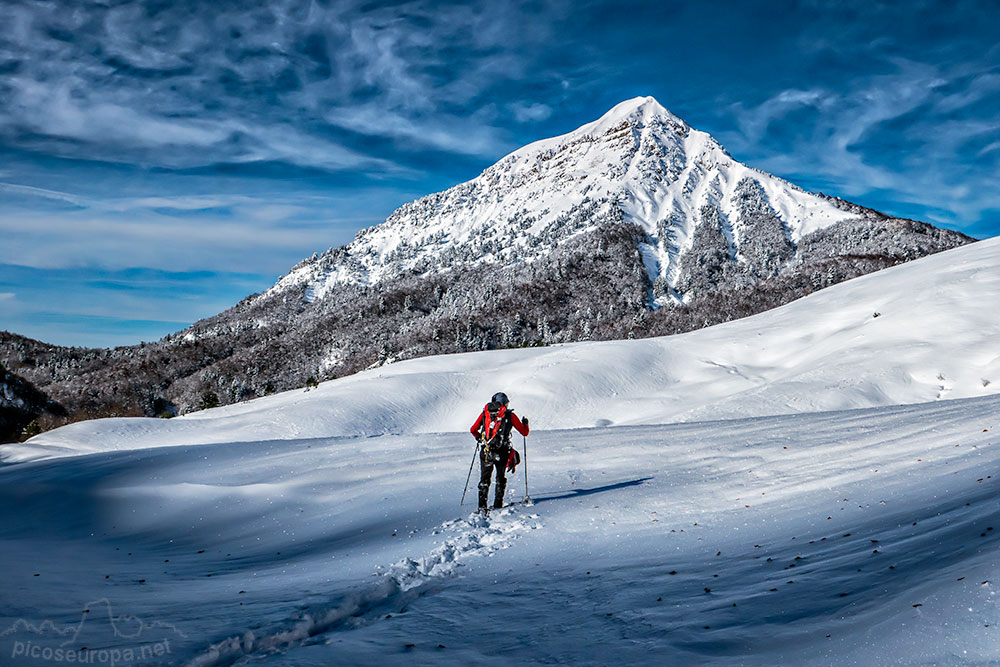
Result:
<point x="70" y="115"/>
<point x="988" y="148"/>
<point x="533" y="112"/>
<point x="192" y="84"/>
<point x="102" y="307"/>
<point x="179" y="202"/>
<point x="173" y="243"/>
<point x="981" y="87"/>
<point x="113" y="131"/>
<point x="893" y="136"/>
<point x="470" y="135"/>
<point x="41" y="193"/>
<point x="755" y="121"/>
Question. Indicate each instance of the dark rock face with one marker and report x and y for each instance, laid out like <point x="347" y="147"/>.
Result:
<point x="767" y="242"/>
<point x="21" y="404"/>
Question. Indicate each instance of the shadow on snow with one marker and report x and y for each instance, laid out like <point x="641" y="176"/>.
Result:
<point x="576" y="493"/>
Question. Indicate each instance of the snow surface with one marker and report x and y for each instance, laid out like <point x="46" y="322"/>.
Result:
<point x="323" y="527"/>
<point x="638" y="157"/>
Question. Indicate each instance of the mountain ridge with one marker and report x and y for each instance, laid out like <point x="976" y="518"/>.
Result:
<point x="21" y="403"/>
<point x="635" y="225"/>
<point x="638" y="157"/>
<point x="912" y="334"/>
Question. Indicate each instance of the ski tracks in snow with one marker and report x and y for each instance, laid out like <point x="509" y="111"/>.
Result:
<point x="398" y="584"/>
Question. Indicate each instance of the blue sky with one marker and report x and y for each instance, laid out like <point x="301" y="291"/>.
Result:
<point x="161" y="160"/>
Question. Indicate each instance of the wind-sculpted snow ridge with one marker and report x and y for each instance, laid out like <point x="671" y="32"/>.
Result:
<point x="638" y="163"/>
<point x="397" y="585"/>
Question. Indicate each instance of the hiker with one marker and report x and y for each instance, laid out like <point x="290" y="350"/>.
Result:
<point x="492" y="431"/>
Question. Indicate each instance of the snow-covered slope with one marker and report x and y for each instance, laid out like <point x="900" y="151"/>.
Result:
<point x="933" y="338"/>
<point x="848" y="538"/>
<point x="638" y="162"/>
<point x="324" y="527"/>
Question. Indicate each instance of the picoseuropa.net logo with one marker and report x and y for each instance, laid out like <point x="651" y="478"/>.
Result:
<point x="100" y="638"/>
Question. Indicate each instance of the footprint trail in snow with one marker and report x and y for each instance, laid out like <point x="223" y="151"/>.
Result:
<point x="477" y="536"/>
<point x="398" y="584"/>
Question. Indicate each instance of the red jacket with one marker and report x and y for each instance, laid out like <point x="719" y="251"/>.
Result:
<point x="477" y="428"/>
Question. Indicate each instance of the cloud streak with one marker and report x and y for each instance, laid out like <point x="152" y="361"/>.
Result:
<point x="894" y="136"/>
<point x="27" y="191"/>
<point x="191" y="84"/>
<point x="155" y="240"/>
<point x="100" y="307"/>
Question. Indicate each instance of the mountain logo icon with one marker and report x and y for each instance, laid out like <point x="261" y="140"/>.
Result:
<point x="100" y="637"/>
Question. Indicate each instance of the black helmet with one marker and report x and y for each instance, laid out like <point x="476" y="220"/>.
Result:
<point x="500" y="398"/>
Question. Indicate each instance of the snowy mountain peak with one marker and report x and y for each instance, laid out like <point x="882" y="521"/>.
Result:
<point x="637" y="111"/>
<point x="637" y="163"/>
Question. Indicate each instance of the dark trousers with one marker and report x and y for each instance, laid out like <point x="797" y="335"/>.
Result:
<point x="496" y="459"/>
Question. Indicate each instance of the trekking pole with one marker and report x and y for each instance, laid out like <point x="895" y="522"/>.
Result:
<point x="527" y="498"/>
<point x="470" y="474"/>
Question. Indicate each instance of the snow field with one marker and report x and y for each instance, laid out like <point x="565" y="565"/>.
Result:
<point x="349" y="549"/>
<point x="323" y="527"/>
